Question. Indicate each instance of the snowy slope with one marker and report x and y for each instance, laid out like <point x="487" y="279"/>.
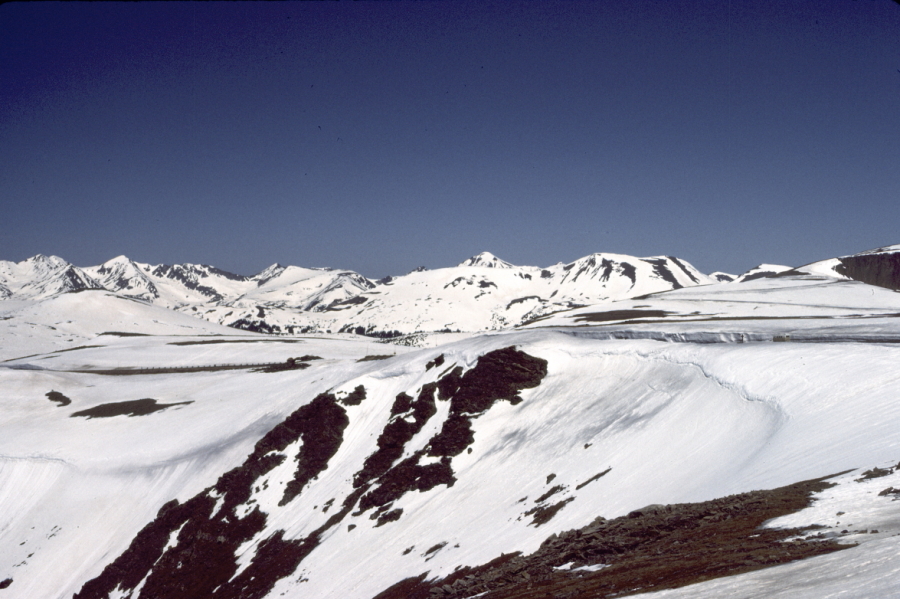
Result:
<point x="674" y="422"/>
<point x="65" y="321"/>
<point x="805" y="306"/>
<point x="761" y="271"/>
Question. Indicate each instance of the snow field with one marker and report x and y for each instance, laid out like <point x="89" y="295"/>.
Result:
<point x="675" y="422"/>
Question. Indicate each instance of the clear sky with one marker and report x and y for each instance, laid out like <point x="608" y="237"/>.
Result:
<point x="383" y="136"/>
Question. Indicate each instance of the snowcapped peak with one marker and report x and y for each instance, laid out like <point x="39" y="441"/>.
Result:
<point x="268" y="274"/>
<point x="486" y="260"/>
<point x="121" y="259"/>
<point x="118" y="264"/>
<point x="51" y="261"/>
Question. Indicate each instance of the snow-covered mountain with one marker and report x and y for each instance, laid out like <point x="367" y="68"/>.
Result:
<point x="42" y="276"/>
<point x="487" y="260"/>
<point x="482" y="293"/>
<point x="121" y="275"/>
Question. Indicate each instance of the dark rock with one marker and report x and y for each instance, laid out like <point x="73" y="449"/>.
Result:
<point x="882" y="270"/>
<point x="356" y="397"/>
<point x="59" y="398"/>
<point x="874" y="473"/>
<point x="592" y="479"/>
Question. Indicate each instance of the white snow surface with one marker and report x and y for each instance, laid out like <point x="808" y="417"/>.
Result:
<point x="676" y="405"/>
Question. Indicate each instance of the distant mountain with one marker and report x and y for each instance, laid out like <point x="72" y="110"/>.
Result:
<point x="482" y="293"/>
<point x="761" y="271"/>
<point x="722" y="277"/>
<point x="41" y="277"/>
<point x="121" y="275"/>
<point x="487" y="260"/>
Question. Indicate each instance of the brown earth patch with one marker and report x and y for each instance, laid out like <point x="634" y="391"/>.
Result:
<point x="612" y="315"/>
<point x="655" y="548"/>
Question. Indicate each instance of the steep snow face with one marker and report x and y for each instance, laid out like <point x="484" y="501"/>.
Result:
<point x="827" y="268"/>
<point x="125" y="277"/>
<point x="268" y="274"/>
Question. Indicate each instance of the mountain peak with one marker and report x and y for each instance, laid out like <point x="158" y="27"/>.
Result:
<point x="486" y="260"/>
<point x="268" y="274"/>
<point x="54" y="261"/>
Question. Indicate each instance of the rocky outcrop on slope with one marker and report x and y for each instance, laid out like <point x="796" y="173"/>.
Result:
<point x="881" y="269"/>
<point x="191" y="549"/>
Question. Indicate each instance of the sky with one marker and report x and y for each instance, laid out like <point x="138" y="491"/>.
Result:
<point x="383" y="136"/>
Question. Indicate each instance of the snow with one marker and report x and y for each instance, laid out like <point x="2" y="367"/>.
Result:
<point x="486" y="260"/>
<point x="761" y="271"/>
<point x="482" y="293"/>
<point x="689" y="402"/>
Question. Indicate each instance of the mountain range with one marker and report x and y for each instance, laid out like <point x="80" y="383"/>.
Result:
<point x="482" y="293"/>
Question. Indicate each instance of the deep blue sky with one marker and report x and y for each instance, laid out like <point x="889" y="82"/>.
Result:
<point x="383" y="136"/>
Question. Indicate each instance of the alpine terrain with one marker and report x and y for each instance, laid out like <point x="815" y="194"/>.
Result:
<point x="612" y="426"/>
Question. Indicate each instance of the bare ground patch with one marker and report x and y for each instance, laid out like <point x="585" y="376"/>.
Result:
<point x="654" y="548"/>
